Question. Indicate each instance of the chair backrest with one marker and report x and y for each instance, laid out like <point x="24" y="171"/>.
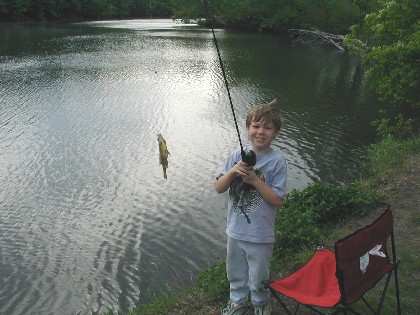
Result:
<point x="362" y="257"/>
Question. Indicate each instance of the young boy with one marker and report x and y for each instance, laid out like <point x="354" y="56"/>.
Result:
<point x="257" y="192"/>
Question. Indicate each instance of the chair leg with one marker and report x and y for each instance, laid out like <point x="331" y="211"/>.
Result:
<point x="369" y="306"/>
<point x="388" y="278"/>
<point x="397" y="290"/>
<point x="280" y="301"/>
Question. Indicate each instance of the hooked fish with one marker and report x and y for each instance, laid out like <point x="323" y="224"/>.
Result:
<point x="163" y="154"/>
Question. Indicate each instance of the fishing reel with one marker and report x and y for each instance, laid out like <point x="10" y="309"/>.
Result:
<point x="249" y="157"/>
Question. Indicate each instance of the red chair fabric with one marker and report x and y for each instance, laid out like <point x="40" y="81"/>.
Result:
<point x="315" y="283"/>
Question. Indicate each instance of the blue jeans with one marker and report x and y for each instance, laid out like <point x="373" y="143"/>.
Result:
<point x="247" y="265"/>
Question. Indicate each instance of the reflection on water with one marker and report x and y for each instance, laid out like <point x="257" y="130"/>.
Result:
<point x="88" y="222"/>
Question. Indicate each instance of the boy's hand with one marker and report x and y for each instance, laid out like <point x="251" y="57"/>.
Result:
<point x="241" y="168"/>
<point x="246" y="172"/>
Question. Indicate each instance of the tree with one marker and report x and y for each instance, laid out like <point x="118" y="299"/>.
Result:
<point x="18" y="8"/>
<point x="189" y="9"/>
<point x="392" y="34"/>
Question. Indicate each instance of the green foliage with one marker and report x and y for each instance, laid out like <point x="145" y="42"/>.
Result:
<point x="398" y="127"/>
<point x="213" y="281"/>
<point x="341" y="13"/>
<point x="238" y="12"/>
<point x="190" y="9"/>
<point x="306" y="214"/>
<point x="165" y="302"/>
<point x="329" y="15"/>
<point x="334" y="16"/>
<point x="392" y="34"/>
<point x="387" y="158"/>
<point x="81" y="9"/>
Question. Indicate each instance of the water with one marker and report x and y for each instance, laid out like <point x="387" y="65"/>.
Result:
<point x="88" y="224"/>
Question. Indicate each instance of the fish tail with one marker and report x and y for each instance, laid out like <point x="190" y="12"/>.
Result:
<point x="164" y="173"/>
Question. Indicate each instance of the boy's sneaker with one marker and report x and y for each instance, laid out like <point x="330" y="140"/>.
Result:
<point x="235" y="309"/>
<point x="263" y="310"/>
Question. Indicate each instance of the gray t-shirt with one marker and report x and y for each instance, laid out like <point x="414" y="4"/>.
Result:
<point x="272" y="168"/>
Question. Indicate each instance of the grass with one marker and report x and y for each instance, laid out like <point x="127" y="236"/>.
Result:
<point x="388" y="158"/>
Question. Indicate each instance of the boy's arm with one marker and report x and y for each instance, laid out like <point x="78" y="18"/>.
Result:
<point x="224" y="181"/>
<point x="265" y="191"/>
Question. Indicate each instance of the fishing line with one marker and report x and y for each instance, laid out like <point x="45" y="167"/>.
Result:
<point x="223" y="73"/>
<point x="249" y="157"/>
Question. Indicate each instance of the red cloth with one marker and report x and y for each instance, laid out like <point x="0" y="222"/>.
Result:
<point x="315" y="283"/>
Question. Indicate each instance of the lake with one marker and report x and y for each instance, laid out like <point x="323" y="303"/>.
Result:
<point x="88" y="223"/>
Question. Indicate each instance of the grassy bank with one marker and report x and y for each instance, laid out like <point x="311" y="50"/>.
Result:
<point x="322" y="213"/>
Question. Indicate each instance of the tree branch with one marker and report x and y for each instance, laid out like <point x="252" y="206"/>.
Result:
<point x="315" y="36"/>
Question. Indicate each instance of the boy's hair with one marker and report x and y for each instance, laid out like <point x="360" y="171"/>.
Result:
<point x="265" y="112"/>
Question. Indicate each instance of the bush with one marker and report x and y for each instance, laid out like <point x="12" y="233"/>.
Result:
<point x="306" y="213"/>
<point x="213" y="282"/>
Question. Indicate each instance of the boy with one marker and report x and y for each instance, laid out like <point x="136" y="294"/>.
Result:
<point x="254" y="193"/>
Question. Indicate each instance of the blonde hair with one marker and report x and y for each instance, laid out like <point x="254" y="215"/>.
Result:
<point x="265" y="112"/>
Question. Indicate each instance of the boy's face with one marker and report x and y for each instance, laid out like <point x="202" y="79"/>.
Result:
<point x="260" y="134"/>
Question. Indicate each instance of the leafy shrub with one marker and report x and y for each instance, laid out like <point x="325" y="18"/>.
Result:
<point x="306" y="213"/>
<point x="213" y="281"/>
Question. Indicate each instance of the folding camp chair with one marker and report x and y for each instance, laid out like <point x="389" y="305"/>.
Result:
<point x="336" y="280"/>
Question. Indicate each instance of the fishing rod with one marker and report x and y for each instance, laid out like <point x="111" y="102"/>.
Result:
<point x="248" y="157"/>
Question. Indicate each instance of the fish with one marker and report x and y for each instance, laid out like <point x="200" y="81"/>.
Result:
<point x="163" y="154"/>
